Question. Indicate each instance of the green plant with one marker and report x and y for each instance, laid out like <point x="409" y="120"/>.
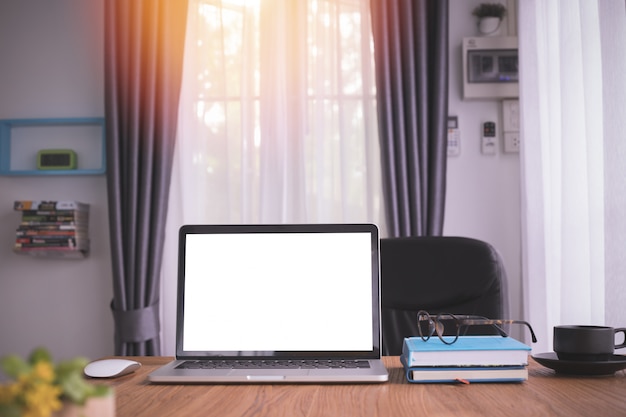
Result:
<point x="40" y="387"/>
<point x="490" y="10"/>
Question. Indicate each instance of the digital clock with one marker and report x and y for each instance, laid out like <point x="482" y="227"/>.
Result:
<point x="56" y="159"/>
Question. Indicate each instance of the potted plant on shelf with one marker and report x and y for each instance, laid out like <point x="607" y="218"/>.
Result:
<point x="489" y="17"/>
<point x="40" y="388"/>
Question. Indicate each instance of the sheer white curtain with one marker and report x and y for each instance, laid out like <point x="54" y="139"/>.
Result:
<point x="571" y="55"/>
<point x="277" y="121"/>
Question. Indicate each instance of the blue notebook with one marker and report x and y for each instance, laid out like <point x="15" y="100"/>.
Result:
<point x="468" y="351"/>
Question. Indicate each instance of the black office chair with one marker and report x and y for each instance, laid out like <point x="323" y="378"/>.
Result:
<point x="440" y="274"/>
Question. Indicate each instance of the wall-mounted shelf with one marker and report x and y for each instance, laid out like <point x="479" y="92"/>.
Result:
<point x="22" y="139"/>
<point x="52" y="229"/>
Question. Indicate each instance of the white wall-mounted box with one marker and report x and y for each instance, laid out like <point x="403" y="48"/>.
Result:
<point x="490" y="67"/>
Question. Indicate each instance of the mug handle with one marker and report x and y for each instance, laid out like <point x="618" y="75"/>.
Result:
<point x="623" y="331"/>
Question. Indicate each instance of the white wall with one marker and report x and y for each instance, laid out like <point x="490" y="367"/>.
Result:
<point x="52" y="66"/>
<point x="483" y="194"/>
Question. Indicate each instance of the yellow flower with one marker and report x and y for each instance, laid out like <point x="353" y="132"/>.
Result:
<point x="44" y="371"/>
<point x="41" y="400"/>
<point x="8" y="393"/>
<point x="40" y="387"/>
<point x="33" y="392"/>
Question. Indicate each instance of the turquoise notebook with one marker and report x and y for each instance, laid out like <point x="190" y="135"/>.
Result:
<point x="466" y="351"/>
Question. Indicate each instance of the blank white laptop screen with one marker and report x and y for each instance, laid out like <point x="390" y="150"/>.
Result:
<point x="253" y="292"/>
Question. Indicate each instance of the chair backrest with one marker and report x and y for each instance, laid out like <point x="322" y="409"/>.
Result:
<point x="442" y="274"/>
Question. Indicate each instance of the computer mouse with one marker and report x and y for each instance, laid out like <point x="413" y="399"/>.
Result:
<point x="111" y="368"/>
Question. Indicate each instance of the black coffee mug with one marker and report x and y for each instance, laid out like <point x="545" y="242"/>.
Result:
<point x="586" y="343"/>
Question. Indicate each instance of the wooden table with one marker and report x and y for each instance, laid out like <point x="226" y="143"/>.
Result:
<point x="544" y="394"/>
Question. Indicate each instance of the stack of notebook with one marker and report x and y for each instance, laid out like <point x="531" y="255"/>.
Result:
<point x="469" y="359"/>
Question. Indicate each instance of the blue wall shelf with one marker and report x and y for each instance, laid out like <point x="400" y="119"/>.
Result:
<point x="21" y="139"/>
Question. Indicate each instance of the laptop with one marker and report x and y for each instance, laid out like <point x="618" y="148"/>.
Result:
<point x="297" y="303"/>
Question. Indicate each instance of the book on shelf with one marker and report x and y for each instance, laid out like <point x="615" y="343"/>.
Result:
<point x="46" y="233"/>
<point x="71" y="242"/>
<point x="69" y="213"/>
<point x="54" y="252"/>
<point x="49" y="205"/>
<point x="434" y="374"/>
<point x="48" y="240"/>
<point x="54" y="219"/>
<point x="57" y="245"/>
<point x="54" y="216"/>
<point x="471" y="351"/>
<point x="60" y="224"/>
<point x="51" y="228"/>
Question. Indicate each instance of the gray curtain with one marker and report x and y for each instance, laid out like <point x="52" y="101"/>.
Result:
<point x="144" y="42"/>
<point x="411" y="55"/>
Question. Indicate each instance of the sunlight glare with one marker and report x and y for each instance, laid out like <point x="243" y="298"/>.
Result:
<point x="347" y="25"/>
<point x="200" y="109"/>
<point x="214" y="117"/>
<point x="197" y="158"/>
<point x="257" y="137"/>
<point x="243" y="3"/>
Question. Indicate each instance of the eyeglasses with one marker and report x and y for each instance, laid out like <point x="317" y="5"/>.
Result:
<point x="451" y="324"/>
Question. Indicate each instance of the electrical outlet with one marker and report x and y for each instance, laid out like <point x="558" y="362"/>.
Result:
<point x="511" y="141"/>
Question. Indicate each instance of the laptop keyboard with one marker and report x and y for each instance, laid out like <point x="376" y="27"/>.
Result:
<point x="273" y="364"/>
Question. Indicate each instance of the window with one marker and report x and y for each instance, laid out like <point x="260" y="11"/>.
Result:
<point x="278" y="113"/>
